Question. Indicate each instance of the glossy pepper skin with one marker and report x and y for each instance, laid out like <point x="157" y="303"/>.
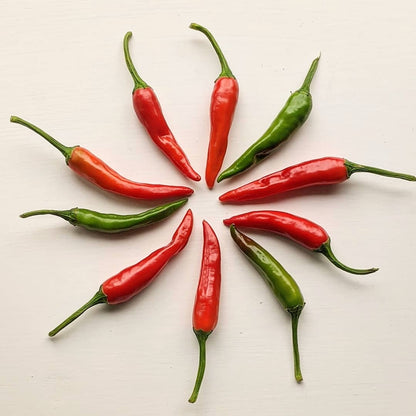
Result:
<point x="291" y="117"/>
<point x="132" y="280"/>
<point x="207" y="300"/>
<point x="111" y="223"/>
<point x="280" y="281"/>
<point x="94" y="170"/>
<point x="298" y="229"/>
<point x="323" y="171"/>
<point x="149" y="112"/>
<point x="223" y="102"/>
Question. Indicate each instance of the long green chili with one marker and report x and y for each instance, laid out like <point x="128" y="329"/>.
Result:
<point x="111" y="223"/>
<point x="280" y="281"/>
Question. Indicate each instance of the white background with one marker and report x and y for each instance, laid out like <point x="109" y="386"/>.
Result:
<point x="62" y="67"/>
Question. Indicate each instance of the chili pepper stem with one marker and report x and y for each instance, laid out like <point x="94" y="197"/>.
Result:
<point x="326" y="250"/>
<point x="66" y="215"/>
<point x="99" y="297"/>
<point x="225" y="69"/>
<point x="355" y="167"/>
<point x="65" y="150"/>
<point x="138" y="82"/>
<point x="202" y="338"/>
<point x="309" y="76"/>
<point x="295" y="313"/>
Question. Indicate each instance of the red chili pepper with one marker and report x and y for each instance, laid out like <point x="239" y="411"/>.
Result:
<point x="305" y="232"/>
<point x="324" y="171"/>
<point x="132" y="280"/>
<point x="148" y="110"/>
<point x="93" y="169"/>
<point x="207" y="299"/>
<point x="223" y="102"/>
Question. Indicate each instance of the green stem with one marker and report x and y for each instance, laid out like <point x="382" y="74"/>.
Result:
<point x="326" y="250"/>
<point x="295" y="313"/>
<point x="99" y="297"/>
<point x="66" y="215"/>
<point x="225" y="69"/>
<point x="309" y="76"/>
<point x="355" y="167"/>
<point x="202" y="338"/>
<point x="65" y="150"/>
<point x="138" y="82"/>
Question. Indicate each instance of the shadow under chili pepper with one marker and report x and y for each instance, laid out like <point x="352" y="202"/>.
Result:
<point x="60" y="232"/>
<point x="318" y="263"/>
<point x="362" y="186"/>
<point x="142" y="233"/>
<point x="317" y="190"/>
<point x="113" y="198"/>
<point x="326" y="191"/>
<point x="98" y="321"/>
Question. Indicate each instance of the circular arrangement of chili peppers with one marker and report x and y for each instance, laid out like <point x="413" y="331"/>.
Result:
<point x="132" y="280"/>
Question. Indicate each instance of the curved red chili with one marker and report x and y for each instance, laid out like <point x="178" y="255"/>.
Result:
<point x="298" y="229"/>
<point x="132" y="280"/>
<point x="323" y="171"/>
<point x="93" y="169"/>
<point x="207" y="299"/>
<point x="223" y="102"/>
<point x="148" y="110"/>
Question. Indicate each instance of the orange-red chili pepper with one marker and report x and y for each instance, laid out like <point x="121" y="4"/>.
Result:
<point x="148" y="110"/>
<point x="223" y="102"/>
<point x="132" y="280"/>
<point x="93" y="169"/>
<point x="207" y="299"/>
<point x="305" y="232"/>
<point x="323" y="171"/>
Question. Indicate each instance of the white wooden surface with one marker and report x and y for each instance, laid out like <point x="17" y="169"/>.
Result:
<point x="62" y="68"/>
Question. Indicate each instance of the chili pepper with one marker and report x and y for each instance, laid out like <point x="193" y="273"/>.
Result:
<point x="223" y="102"/>
<point x="205" y="315"/>
<point x="111" y="223"/>
<point x="280" y="281"/>
<point x="324" y="171"/>
<point x="90" y="167"/>
<point x="292" y="116"/>
<point x="148" y="110"/>
<point x="132" y="280"/>
<point x="305" y="232"/>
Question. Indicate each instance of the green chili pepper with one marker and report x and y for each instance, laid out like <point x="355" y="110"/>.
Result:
<point x="112" y="223"/>
<point x="292" y="116"/>
<point x="280" y="281"/>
